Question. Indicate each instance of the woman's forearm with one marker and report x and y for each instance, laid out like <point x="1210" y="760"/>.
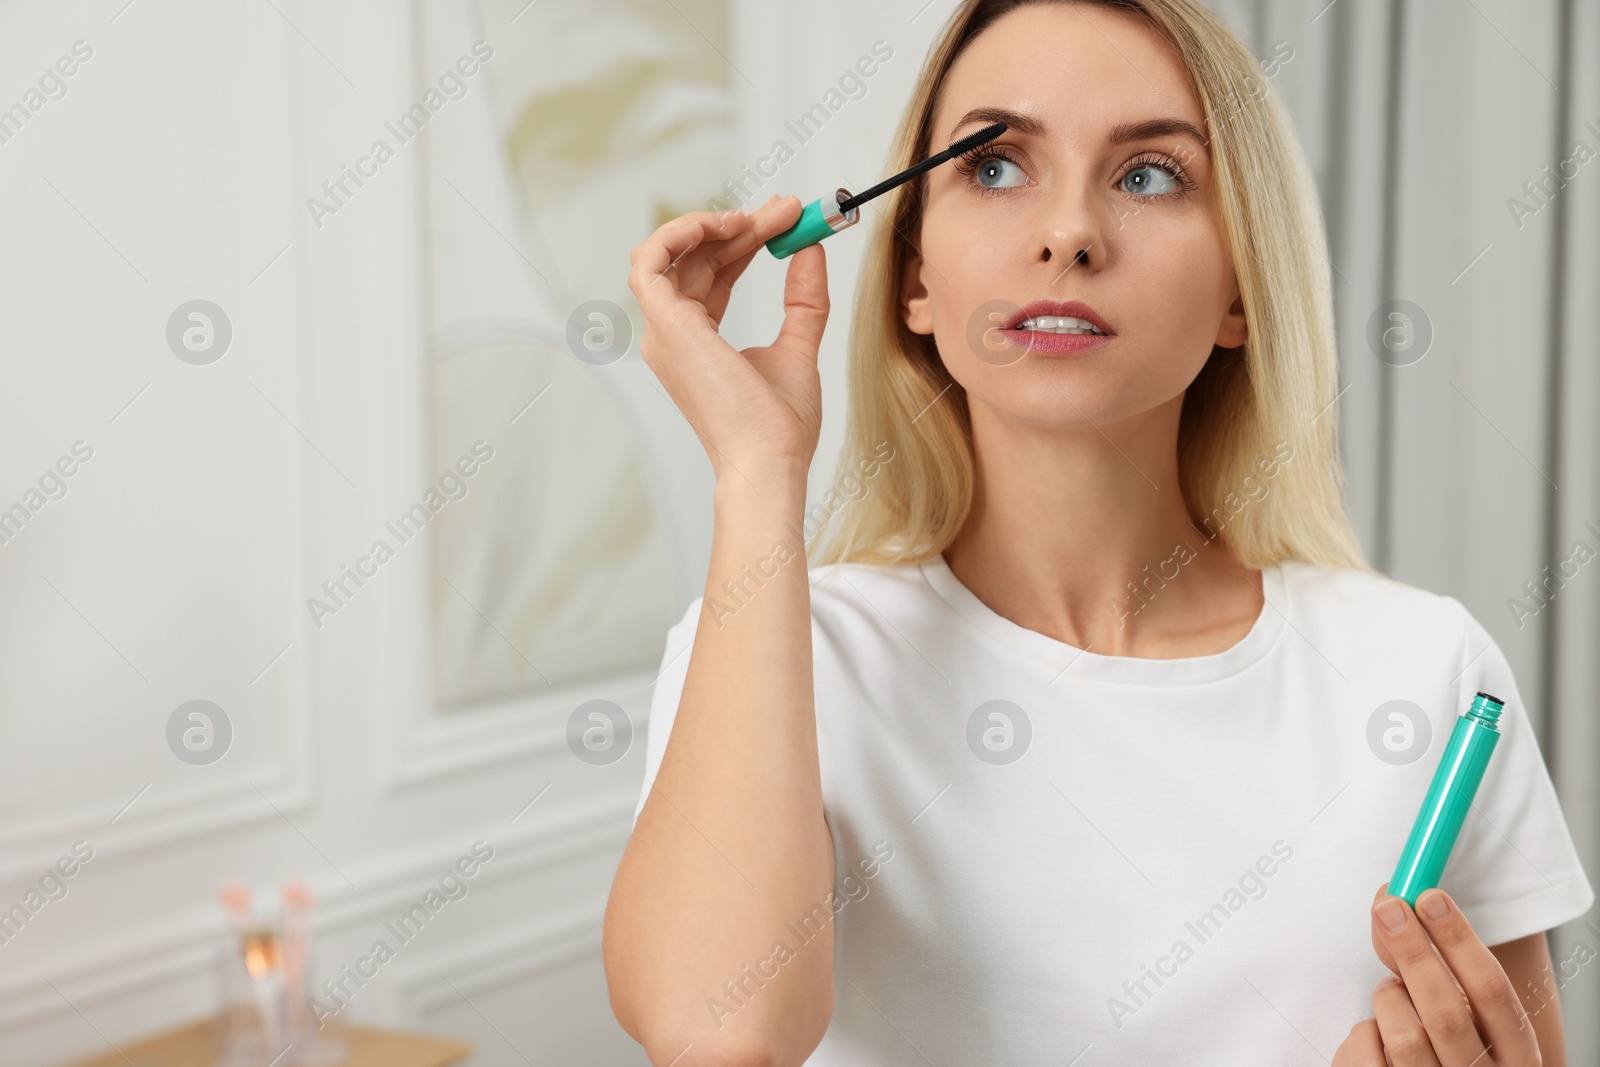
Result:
<point x="731" y="844"/>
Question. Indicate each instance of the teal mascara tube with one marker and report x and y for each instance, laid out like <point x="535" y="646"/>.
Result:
<point x="1449" y="798"/>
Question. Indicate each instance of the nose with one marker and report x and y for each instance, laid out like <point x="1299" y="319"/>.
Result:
<point x="1071" y="249"/>
<point x="1071" y="236"/>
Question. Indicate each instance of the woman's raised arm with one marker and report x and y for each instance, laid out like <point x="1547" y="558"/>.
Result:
<point x="731" y="843"/>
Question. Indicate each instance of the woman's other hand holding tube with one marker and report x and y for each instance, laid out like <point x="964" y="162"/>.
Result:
<point x="1448" y="1002"/>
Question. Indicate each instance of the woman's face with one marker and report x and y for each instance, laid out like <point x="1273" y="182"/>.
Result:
<point x="1074" y="171"/>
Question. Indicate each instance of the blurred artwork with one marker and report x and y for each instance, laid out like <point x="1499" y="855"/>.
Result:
<point x="554" y="567"/>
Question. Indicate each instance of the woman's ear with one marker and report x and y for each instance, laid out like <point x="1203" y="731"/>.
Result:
<point x="914" y="304"/>
<point x="1233" y="331"/>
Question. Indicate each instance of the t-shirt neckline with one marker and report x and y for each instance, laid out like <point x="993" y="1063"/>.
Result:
<point x="1069" y="661"/>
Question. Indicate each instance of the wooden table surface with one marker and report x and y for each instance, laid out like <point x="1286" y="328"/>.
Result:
<point x="196" y="1046"/>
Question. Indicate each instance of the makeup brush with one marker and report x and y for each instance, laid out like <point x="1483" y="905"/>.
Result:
<point x="839" y="210"/>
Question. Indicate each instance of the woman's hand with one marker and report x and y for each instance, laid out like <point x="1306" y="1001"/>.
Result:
<point x="1448" y="1003"/>
<point x="755" y="410"/>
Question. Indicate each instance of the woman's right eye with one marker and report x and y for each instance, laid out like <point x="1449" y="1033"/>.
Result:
<point x="992" y="171"/>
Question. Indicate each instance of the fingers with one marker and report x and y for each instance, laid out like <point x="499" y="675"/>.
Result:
<point x="672" y="240"/>
<point x="697" y="257"/>
<point x="1495" y="1004"/>
<point x="1442" y="1006"/>
<point x="1406" y="1041"/>
<point x="1378" y="946"/>
<point x="722" y="285"/>
<point x="805" y="302"/>
<point x="661" y="254"/>
<point x="697" y="246"/>
<point x="765" y="223"/>
<point x="1363" y="1047"/>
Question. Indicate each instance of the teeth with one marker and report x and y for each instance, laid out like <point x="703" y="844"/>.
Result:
<point x="1059" y="324"/>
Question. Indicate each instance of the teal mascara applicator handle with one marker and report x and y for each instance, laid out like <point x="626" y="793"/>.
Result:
<point x="821" y="218"/>
<point x="839" y="210"/>
<point x="1449" y="798"/>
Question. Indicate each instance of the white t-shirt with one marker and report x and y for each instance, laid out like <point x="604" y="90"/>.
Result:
<point x="1152" y="860"/>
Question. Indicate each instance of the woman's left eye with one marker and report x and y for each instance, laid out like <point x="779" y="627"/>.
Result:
<point x="1150" y="179"/>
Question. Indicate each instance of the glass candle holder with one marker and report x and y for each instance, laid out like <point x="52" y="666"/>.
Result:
<point x="264" y="1015"/>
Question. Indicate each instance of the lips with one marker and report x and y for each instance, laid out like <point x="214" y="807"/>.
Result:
<point x="1074" y="309"/>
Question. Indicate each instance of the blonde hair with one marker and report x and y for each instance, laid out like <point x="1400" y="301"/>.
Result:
<point x="1276" y="392"/>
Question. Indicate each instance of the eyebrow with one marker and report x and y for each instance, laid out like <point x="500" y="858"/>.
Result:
<point x="1123" y="132"/>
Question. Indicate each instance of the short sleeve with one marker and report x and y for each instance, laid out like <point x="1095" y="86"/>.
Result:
<point x="665" y="695"/>
<point x="1514" y="870"/>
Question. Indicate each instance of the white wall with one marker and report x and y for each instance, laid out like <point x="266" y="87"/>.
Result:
<point x="217" y="499"/>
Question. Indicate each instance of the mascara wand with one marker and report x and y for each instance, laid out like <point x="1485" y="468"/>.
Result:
<point x="839" y="210"/>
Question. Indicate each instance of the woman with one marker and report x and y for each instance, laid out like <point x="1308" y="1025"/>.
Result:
<point x="1090" y="733"/>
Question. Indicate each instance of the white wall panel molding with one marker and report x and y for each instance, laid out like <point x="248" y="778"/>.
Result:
<point x="182" y="950"/>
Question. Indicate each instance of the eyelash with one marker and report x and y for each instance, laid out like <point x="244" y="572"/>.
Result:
<point x="967" y="165"/>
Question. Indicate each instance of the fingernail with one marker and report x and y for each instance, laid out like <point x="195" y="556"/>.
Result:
<point x="1434" y="907"/>
<point x="1392" y="914"/>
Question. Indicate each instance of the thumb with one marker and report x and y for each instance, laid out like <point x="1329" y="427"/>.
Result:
<point x="805" y="302"/>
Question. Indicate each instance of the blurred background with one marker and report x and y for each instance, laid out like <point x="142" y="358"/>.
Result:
<point x="341" y="523"/>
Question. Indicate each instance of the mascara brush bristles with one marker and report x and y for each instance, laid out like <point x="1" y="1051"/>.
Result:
<point x="961" y="147"/>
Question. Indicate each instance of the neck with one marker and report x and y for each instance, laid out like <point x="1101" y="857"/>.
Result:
<point x="1082" y="533"/>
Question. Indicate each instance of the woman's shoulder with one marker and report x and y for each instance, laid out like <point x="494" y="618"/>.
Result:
<point x="849" y="581"/>
<point x="837" y="590"/>
<point x="1356" y="585"/>
<point x="1355" y="601"/>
